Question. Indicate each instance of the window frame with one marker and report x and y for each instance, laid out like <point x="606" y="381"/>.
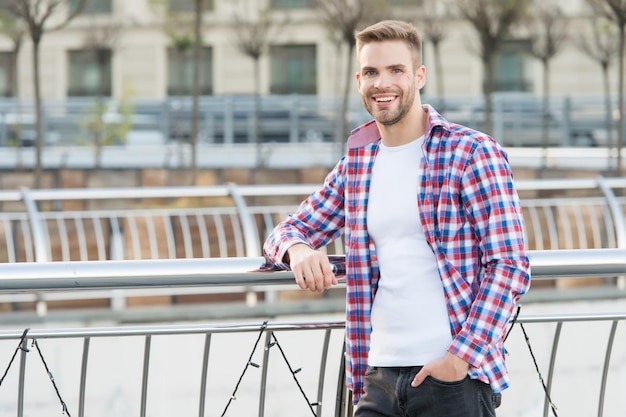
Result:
<point x="206" y="72"/>
<point x="84" y="90"/>
<point x="6" y="63"/>
<point x="92" y="9"/>
<point x="187" y="6"/>
<point x="280" y="69"/>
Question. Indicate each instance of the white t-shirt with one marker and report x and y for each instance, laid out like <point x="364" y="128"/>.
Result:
<point x="410" y="324"/>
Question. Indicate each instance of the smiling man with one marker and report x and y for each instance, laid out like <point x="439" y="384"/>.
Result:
<point x="435" y="252"/>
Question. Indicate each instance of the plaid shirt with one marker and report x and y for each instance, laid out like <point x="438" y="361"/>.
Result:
<point x="471" y="216"/>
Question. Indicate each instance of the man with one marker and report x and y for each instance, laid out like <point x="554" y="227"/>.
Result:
<point x="435" y="257"/>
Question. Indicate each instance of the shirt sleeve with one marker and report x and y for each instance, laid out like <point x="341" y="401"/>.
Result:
<point x="318" y="221"/>
<point x="493" y="207"/>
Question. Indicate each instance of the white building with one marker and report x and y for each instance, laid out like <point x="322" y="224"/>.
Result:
<point x="302" y="58"/>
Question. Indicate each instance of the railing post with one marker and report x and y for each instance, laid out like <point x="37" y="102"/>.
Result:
<point x="41" y="248"/>
<point x="250" y="233"/>
<point x="39" y="242"/>
<point x="22" y="379"/>
<point x="618" y="221"/>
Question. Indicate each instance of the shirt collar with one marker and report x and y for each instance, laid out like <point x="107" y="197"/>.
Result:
<point x="368" y="133"/>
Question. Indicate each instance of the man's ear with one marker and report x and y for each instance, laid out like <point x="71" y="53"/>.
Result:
<point x="358" y="80"/>
<point x="420" y="76"/>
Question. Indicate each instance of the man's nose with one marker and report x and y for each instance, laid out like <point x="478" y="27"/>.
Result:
<point x="381" y="81"/>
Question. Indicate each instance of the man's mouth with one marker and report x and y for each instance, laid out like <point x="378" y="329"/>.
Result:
<point x="384" y="99"/>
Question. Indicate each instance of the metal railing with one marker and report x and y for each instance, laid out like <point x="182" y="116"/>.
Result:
<point x="232" y="221"/>
<point x="224" y="119"/>
<point x="88" y="377"/>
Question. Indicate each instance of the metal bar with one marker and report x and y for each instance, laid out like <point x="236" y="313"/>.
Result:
<point x="9" y="238"/>
<point x="185" y="329"/>
<point x="116" y="245"/>
<point x="205" y="372"/>
<point x="83" y="378"/>
<point x="342" y="393"/>
<point x="247" y="222"/>
<point x="322" y="376"/>
<point x="22" y="378"/>
<point x="28" y="243"/>
<point x="186" y="236"/>
<point x="134" y="237"/>
<point x="605" y="370"/>
<point x="99" y="236"/>
<point x="581" y="231"/>
<point x="616" y="212"/>
<point x="264" y="369"/>
<point x="29" y="276"/>
<point x="566" y="228"/>
<point x="152" y="238"/>
<point x="555" y="345"/>
<point x="168" y="228"/>
<point x="41" y="247"/>
<point x="221" y="236"/>
<point x="144" y="378"/>
<point x="553" y="234"/>
<point x="82" y="240"/>
<point x="204" y="237"/>
<point x="237" y="236"/>
<point x="536" y="227"/>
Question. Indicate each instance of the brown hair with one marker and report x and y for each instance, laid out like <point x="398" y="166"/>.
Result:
<point x="392" y="30"/>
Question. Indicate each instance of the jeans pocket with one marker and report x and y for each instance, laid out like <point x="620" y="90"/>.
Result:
<point x="448" y="383"/>
<point x="371" y="370"/>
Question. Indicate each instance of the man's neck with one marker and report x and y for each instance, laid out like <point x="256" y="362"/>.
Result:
<point x="411" y="127"/>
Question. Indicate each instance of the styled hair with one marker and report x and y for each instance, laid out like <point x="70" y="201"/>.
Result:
<point x="392" y="30"/>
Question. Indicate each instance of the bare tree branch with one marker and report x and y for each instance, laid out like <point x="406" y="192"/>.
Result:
<point x="344" y="17"/>
<point x="493" y="21"/>
<point x="615" y="11"/>
<point x="35" y="13"/>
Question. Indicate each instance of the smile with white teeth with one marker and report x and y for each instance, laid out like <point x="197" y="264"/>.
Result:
<point x="383" y="99"/>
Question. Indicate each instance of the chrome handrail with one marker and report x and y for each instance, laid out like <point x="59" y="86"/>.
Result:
<point x="251" y="271"/>
<point x="77" y="276"/>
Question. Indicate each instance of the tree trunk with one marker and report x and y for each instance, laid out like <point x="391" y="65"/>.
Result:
<point x="545" y="110"/>
<point x="488" y="87"/>
<point x="620" y="100"/>
<point x="440" y="85"/>
<point x="608" y="124"/>
<point x="343" y="115"/>
<point x="180" y="91"/>
<point x="100" y="108"/>
<point x="258" y="128"/>
<point x="16" y="98"/>
<point x="38" y="115"/>
<point x="195" y="90"/>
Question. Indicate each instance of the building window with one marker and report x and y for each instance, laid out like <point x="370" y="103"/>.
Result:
<point x="180" y="71"/>
<point x="6" y="74"/>
<point x="187" y="6"/>
<point x="512" y="67"/>
<point x="294" y="69"/>
<point x="94" y="6"/>
<point x="292" y="4"/>
<point x="90" y="73"/>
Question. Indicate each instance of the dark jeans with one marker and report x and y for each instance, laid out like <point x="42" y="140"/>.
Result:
<point x="388" y="393"/>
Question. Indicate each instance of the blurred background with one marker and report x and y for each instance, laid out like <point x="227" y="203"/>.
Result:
<point x="193" y="84"/>
<point x="163" y="134"/>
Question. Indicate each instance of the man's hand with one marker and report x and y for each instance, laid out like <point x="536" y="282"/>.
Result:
<point x="450" y="368"/>
<point x="311" y="268"/>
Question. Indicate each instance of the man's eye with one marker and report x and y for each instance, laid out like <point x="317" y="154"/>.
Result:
<point x="370" y="73"/>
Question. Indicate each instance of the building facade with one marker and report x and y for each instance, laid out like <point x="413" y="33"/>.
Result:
<point x="140" y="50"/>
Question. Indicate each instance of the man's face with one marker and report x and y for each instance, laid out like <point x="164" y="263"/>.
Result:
<point x="388" y="81"/>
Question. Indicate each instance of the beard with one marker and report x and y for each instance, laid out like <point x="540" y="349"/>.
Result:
<point x="390" y="116"/>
